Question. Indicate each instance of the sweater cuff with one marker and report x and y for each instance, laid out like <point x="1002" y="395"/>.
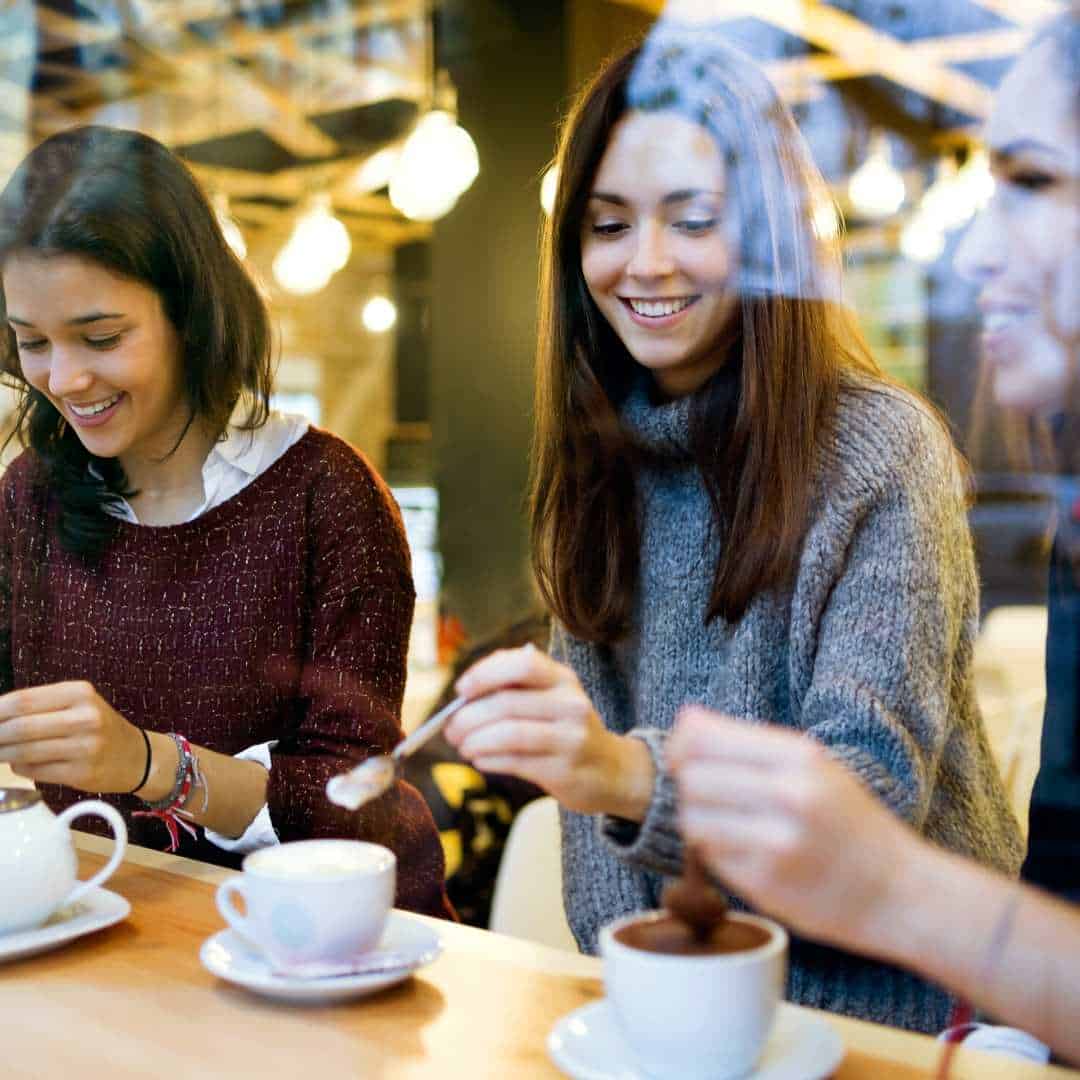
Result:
<point x="655" y="844"/>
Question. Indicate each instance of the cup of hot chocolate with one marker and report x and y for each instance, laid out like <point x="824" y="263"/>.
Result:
<point x="312" y="906"/>
<point x="689" y="1009"/>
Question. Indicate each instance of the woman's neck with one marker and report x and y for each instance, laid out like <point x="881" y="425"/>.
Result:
<point x="169" y="486"/>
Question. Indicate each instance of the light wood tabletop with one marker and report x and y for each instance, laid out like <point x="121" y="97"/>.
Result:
<point x="134" y="1001"/>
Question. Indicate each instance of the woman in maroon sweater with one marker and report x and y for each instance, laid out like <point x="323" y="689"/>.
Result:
<point x="165" y="568"/>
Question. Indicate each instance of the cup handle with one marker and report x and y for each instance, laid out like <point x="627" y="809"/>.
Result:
<point x="240" y="923"/>
<point x="96" y="808"/>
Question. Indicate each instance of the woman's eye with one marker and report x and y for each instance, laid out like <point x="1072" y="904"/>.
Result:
<point x="104" y="342"/>
<point x="609" y="228"/>
<point x="697" y="225"/>
<point x="31" y="346"/>
<point x="1031" y="180"/>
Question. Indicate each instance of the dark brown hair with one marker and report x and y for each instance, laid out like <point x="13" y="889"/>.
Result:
<point x="122" y="200"/>
<point x="794" y="340"/>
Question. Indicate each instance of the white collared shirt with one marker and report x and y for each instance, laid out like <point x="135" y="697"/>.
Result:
<point x="236" y="460"/>
<point x="232" y="464"/>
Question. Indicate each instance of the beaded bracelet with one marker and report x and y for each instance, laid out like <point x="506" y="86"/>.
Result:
<point x="170" y="810"/>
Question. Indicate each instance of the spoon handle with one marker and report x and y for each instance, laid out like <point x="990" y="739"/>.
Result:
<point x="427" y="730"/>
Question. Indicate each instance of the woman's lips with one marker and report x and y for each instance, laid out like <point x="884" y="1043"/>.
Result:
<point x="650" y="312"/>
<point x="96" y="419"/>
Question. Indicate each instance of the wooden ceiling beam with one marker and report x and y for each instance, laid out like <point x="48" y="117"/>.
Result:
<point x="950" y="49"/>
<point x="847" y="38"/>
<point x="1024" y="12"/>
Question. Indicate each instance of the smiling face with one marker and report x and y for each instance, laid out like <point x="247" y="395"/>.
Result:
<point x="101" y="349"/>
<point x="656" y="253"/>
<point x="1022" y="250"/>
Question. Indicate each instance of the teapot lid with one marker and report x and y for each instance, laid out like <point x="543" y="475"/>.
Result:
<point x="14" y="798"/>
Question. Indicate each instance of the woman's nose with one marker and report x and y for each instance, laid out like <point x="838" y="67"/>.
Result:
<point x="651" y="257"/>
<point x="68" y="374"/>
<point x="981" y="252"/>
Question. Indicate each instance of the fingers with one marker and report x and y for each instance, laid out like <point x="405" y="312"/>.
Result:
<point x="525" y="667"/>
<point x="510" y="738"/>
<point x="45" y="752"/>
<point x="39" y="699"/>
<point x="47" y="725"/>
<point x="701" y="733"/>
<point x="526" y="705"/>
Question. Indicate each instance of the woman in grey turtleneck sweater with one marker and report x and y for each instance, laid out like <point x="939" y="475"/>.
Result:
<point x="731" y="506"/>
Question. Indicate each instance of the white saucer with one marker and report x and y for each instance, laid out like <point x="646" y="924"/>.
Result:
<point x="587" y="1045"/>
<point x="227" y="955"/>
<point x="96" y="910"/>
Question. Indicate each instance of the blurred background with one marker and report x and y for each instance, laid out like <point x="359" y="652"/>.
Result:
<point x="380" y="163"/>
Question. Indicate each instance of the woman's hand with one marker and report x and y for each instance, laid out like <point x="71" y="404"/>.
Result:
<point x="529" y="717"/>
<point x="66" y="733"/>
<point x="787" y="826"/>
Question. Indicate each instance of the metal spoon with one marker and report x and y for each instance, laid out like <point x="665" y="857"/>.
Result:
<point x="377" y="775"/>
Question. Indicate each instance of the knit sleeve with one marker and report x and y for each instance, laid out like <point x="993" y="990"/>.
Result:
<point x="884" y="618"/>
<point x="359" y="611"/>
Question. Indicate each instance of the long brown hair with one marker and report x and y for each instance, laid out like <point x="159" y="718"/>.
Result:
<point x="794" y="342"/>
<point x="122" y="200"/>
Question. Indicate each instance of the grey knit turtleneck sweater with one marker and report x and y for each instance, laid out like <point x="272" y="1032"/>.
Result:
<point x="869" y="652"/>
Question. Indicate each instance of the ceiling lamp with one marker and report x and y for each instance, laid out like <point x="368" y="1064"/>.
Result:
<point x="945" y="201"/>
<point x="374" y="173"/>
<point x="318" y="247"/>
<point x="549" y="185"/>
<point x="876" y="188"/>
<point x="379" y="314"/>
<point x="438" y="162"/>
<point x="230" y="230"/>
<point x="922" y="239"/>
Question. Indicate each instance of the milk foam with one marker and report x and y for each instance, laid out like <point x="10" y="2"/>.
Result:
<point x="314" y="859"/>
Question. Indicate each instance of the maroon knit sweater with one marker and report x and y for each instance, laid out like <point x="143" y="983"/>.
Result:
<point x="283" y="614"/>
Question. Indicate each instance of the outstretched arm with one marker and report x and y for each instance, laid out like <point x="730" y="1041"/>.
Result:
<point x="787" y="826"/>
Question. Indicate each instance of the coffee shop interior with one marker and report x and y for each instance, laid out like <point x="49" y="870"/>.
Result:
<point x="384" y="167"/>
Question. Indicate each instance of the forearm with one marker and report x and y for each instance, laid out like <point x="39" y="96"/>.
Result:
<point x="1011" y="950"/>
<point x="229" y="796"/>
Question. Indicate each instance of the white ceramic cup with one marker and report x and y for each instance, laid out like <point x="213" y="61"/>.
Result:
<point x="695" y="1017"/>
<point x="312" y="902"/>
<point x="37" y="860"/>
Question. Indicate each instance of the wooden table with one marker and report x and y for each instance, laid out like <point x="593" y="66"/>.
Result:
<point x="134" y="1001"/>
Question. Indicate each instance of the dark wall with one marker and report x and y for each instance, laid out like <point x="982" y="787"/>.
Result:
<point x="509" y="63"/>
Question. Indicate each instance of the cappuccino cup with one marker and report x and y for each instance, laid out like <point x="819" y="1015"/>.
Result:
<point x="694" y="1012"/>
<point x="312" y="904"/>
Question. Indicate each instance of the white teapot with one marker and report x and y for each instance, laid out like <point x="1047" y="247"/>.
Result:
<point x="37" y="859"/>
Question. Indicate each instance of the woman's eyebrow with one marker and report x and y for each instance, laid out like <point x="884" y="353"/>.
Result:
<point x="681" y="195"/>
<point x="1003" y="155"/>
<point x="79" y="320"/>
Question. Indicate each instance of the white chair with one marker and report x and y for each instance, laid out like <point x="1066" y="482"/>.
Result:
<point x="1010" y="684"/>
<point x="527" y="902"/>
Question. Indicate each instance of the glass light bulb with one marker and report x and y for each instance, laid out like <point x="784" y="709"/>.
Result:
<point x="876" y="188"/>
<point x="379" y="314"/>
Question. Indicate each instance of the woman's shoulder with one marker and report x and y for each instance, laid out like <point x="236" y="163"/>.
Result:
<point x="326" y="461"/>
<point x="339" y="479"/>
<point x="22" y="477"/>
<point x="882" y="432"/>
